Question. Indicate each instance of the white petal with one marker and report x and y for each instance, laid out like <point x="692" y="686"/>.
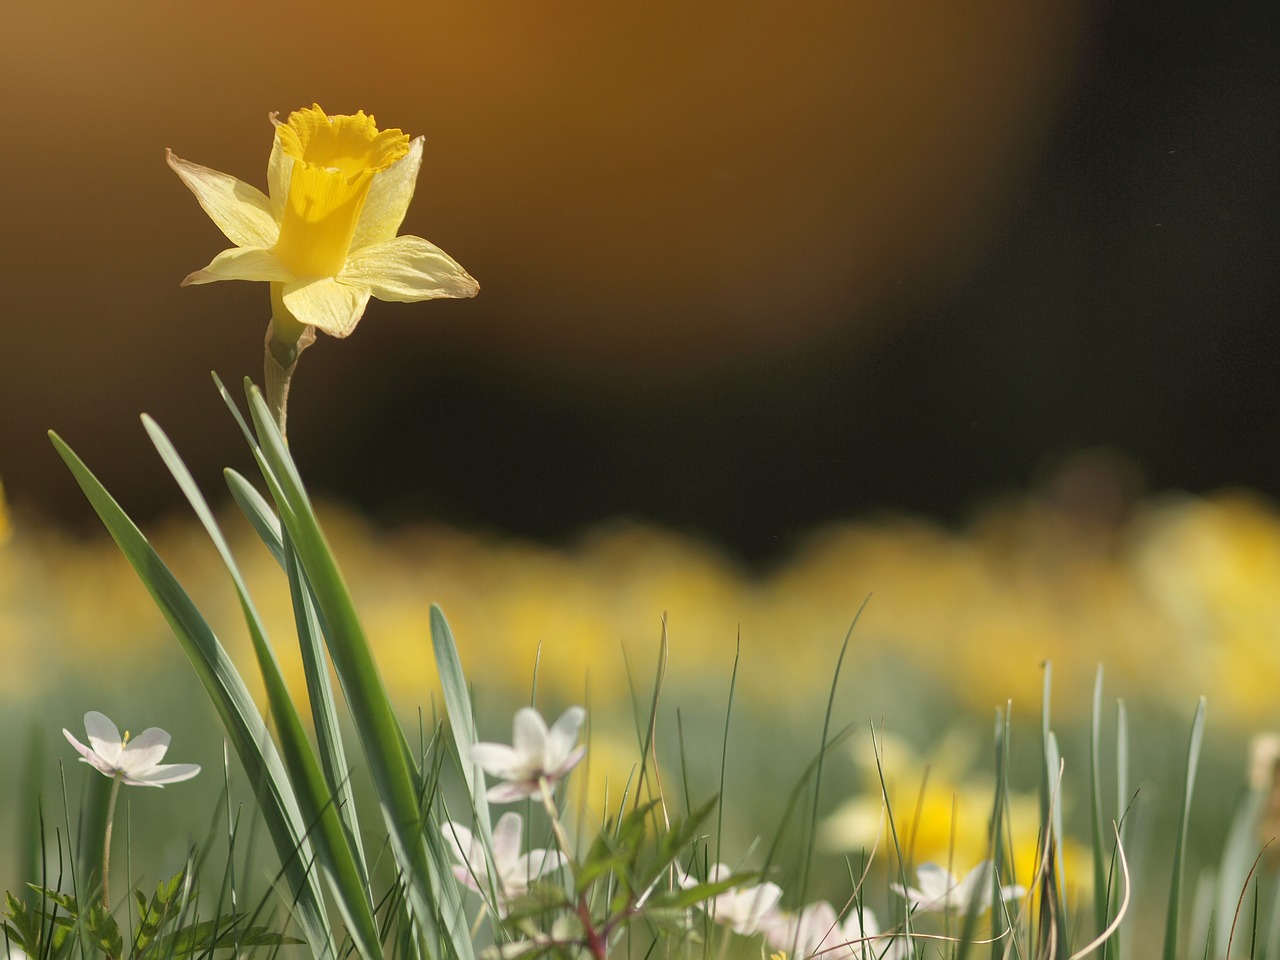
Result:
<point x="242" y="212"/>
<point x="459" y="839"/>
<point x="463" y="876"/>
<point x="388" y="199"/>
<point x="559" y="771"/>
<point x="241" y="263"/>
<point x="88" y="756"/>
<point x="529" y="739"/>
<point x="496" y="759"/>
<point x="563" y="735"/>
<point x="143" y="752"/>
<point x="164" y="773"/>
<point x="511" y="791"/>
<point x="104" y="736"/>
<point x="506" y="841"/>
<point x="537" y="863"/>
<point x="326" y="304"/>
<point x="407" y="269"/>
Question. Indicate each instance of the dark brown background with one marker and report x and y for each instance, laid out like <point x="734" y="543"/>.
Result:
<point x="745" y="266"/>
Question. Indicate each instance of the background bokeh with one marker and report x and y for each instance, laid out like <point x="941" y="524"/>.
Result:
<point x="744" y="270"/>
<point x="969" y="307"/>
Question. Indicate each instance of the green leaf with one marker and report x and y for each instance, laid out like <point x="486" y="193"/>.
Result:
<point x="244" y="725"/>
<point x="348" y="878"/>
<point x="433" y="895"/>
<point x="1173" y="916"/>
<point x="102" y="931"/>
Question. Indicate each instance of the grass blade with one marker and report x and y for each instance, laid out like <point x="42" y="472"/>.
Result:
<point x="1173" y="917"/>
<point x="418" y="850"/>
<point x="348" y="878"/>
<point x="243" y="723"/>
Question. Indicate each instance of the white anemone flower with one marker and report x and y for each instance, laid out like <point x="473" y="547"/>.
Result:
<point x="939" y="890"/>
<point x="136" y="760"/>
<point x="748" y="910"/>
<point x="512" y="871"/>
<point x="536" y="754"/>
<point x="324" y="234"/>
<point x="816" y="932"/>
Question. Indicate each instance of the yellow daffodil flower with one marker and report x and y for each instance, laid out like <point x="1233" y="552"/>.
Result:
<point x="324" y="235"/>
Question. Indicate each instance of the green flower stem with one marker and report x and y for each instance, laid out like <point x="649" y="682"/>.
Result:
<point x="549" y="803"/>
<point x="106" y="842"/>
<point x="595" y="942"/>
<point x="286" y="339"/>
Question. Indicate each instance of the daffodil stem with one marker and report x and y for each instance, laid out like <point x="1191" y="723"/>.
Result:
<point x="106" y="843"/>
<point x="286" y="339"/>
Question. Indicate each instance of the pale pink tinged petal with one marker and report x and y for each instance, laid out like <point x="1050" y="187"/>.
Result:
<point x="242" y="212"/>
<point x="529" y="738"/>
<point x="463" y="876"/>
<point x="241" y="263"/>
<point x="143" y="752"/>
<point x="718" y="872"/>
<point x="165" y="773"/>
<point x="326" y="304"/>
<point x="764" y="898"/>
<point x="408" y="269"/>
<point x="496" y="759"/>
<point x="569" y="763"/>
<point x="537" y="863"/>
<point x="509" y="792"/>
<point x="458" y="838"/>
<point x="388" y="199"/>
<point x="87" y="755"/>
<point x="506" y="840"/>
<point x="104" y="736"/>
<point x="564" y="734"/>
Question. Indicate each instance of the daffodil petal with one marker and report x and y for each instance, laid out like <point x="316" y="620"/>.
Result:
<point x="279" y="169"/>
<point x="407" y="269"/>
<point x="326" y="304"/>
<point x="104" y="736"/>
<point x="388" y="199"/>
<point x="143" y="752"/>
<point x="241" y="263"/>
<point x="242" y="212"/>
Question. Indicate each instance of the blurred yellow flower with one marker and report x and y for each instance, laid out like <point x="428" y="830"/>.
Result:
<point x="6" y="528"/>
<point x="325" y="234"/>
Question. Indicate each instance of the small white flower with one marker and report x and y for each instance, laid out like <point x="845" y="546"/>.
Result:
<point x="536" y="754"/>
<point x="747" y="910"/>
<point x="941" y="892"/>
<point x="514" y="870"/>
<point x="816" y="932"/>
<point x="135" y="761"/>
<point x="10" y="950"/>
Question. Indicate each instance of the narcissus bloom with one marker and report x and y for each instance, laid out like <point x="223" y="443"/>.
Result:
<point x="324" y="234"/>
<point x="536" y="754"/>
<point x="748" y="909"/>
<point x="134" y="761"/>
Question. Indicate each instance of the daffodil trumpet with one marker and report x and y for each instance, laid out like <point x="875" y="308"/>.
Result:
<point x="324" y="236"/>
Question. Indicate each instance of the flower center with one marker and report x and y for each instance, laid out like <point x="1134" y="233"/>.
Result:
<point x="334" y="162"/>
